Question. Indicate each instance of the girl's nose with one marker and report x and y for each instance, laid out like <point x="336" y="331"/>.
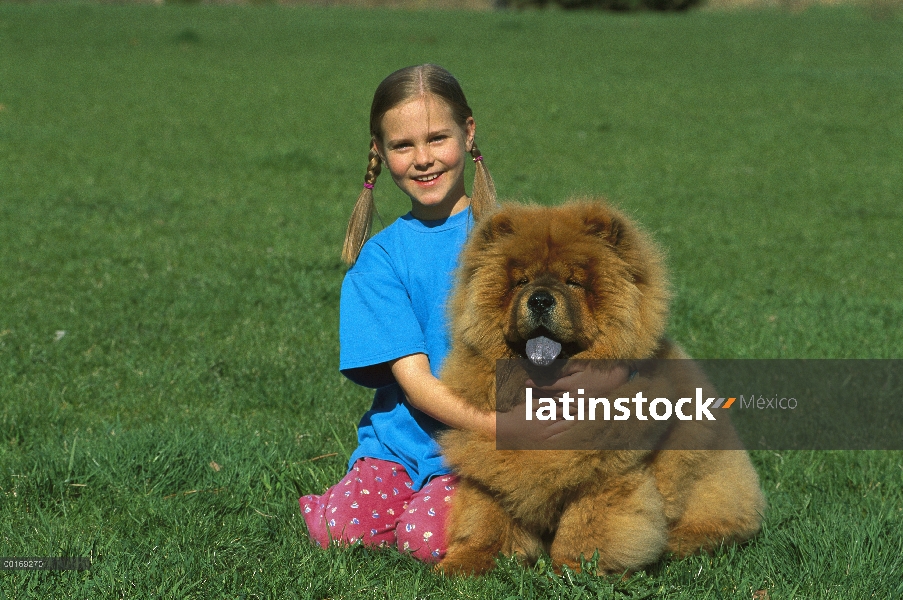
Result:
<point x="424" y="156"/>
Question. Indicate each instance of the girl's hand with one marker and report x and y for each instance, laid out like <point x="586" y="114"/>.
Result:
<point x="597" y="379"/>
<point x="514" y="430"/>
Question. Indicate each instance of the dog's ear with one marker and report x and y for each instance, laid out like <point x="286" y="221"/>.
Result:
<point x="496" y="227"/>
<point x="618" y="232"/>
<point x="601" y="223"/>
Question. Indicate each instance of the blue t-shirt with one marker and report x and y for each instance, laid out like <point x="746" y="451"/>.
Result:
<point x="393" y="304"/>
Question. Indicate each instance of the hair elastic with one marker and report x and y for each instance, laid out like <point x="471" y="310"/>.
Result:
<point x="478" y="158"/>
<point x="368" y="185"/>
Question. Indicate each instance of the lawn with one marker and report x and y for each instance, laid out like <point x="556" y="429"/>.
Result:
<point x="174" y="187"/>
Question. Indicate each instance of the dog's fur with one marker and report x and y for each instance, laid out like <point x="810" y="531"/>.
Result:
<point x="611" y="302"/>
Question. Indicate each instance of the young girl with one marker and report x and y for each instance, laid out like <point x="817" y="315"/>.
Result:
<point x="393" y="322"/>
<point x="393" y="319"/>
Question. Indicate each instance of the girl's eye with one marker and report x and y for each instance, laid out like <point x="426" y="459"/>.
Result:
<point x="438" y="138"/>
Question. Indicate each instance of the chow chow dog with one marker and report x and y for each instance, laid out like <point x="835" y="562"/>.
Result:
<point x="580" y="281"/>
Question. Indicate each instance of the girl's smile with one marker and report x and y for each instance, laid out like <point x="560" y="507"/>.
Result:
<point x="428" y="180"/>
<point x="425" y="150"/>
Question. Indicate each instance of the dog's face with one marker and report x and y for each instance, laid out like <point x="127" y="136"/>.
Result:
<point x="575" y="281"/>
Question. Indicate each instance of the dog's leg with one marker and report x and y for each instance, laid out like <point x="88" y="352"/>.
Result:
<point x="624" y="522"/>
<point x="478" y="530"/>
<point x="725" y="504"/>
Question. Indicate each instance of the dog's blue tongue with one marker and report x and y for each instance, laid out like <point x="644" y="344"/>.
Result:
<point x="542" y="351"/>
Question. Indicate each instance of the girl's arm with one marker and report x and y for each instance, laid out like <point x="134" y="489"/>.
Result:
<point x="429" y="395"/>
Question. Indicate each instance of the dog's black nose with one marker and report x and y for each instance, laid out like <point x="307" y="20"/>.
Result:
<point x="541" y="302"/>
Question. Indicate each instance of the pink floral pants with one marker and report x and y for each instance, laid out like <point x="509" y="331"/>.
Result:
<point x="374" y="504"/>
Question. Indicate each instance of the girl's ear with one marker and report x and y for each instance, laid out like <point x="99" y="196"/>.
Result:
<point x="470" y="130"/>
<point x="374" y="144"/>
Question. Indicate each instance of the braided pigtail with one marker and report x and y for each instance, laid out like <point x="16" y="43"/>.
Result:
<point x="483" y="199"/>
<point x="362" y="215"/>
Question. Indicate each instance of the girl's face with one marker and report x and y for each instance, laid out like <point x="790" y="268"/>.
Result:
<point x="425" y="149"/>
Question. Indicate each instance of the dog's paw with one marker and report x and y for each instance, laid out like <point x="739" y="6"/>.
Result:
<point x="464" y="565"/>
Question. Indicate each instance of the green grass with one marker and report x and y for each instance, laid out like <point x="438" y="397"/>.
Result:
<point x="174" y="183"/>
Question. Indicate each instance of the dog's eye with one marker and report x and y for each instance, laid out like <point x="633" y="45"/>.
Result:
<point x="521" y="282"/>
<point x="574" y="283"/>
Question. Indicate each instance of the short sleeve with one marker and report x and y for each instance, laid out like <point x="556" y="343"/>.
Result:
<point x="377" y="322"/>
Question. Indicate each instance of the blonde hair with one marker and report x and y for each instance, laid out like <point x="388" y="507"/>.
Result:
<point x="400" y="86"/>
